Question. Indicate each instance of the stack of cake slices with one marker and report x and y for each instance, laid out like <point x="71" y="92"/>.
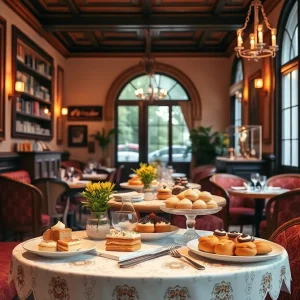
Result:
<point x="123" y="241"/>
<point x="59" y="238"/>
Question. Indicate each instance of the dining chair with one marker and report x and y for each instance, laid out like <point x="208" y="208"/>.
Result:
<point x="240" y="210"/>
<point x="118" y="175"/>
<point x="285" y="181"/>
<point x="21" y="208"/>
<point x="288" y="236"/>
<point x="280" y="209"/>
<point x="57" y="201"/>
<point x="202" y="171"/>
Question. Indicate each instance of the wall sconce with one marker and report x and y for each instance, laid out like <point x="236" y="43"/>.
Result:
<point x="258" y="83"/>
<point x="46" y="111"/>
<point x="64" y="111"/>
<point x="19" y="88"/>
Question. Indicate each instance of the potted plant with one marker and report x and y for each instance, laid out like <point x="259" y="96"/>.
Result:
<point x="207" y="145"/>
<point x="97" y="197"/>
<point x="104" y="139"/>
<point x="147" y="173"/>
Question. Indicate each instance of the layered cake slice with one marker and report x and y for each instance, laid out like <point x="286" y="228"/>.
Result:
<point x="123" y="241"/>
<point x="68" y="244"/>
<point x="49" y="246"/>
<point x="60" y="232"/>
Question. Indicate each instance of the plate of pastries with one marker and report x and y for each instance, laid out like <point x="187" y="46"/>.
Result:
<point x="234" y="247"/>
<point x="153" y="227"/>
<point x="136" y="183"/>
<point x="57" y="242"/>
<point x="191" y="200"/>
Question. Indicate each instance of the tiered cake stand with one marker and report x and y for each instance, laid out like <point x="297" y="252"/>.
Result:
<point x="190" y="215"/>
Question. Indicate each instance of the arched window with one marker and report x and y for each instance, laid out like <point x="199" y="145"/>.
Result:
<point x="151" y="130"/>
<point x="289" y="106"/>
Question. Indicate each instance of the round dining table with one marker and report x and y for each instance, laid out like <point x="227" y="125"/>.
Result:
<point x="90" y="276"/>
<point x="153" y="205"/>
<point x="259" y="196"/>
<point x="94" y="177"/>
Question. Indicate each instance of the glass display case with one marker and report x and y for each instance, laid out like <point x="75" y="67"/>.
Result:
<point x="245" y="143"/>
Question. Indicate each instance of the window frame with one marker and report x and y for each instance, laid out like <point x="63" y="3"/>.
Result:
<point x="280" y="71"/>
<point x="143" y="112"/>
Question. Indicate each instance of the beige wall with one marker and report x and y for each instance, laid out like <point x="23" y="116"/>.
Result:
<point x="14" y="19"/>
<point x="250" y="67"/>
<point x="88" y="81"/>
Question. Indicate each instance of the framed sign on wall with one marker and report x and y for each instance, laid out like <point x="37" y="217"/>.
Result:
<point x="77" y="136"/>
<point x="85" y="113"/>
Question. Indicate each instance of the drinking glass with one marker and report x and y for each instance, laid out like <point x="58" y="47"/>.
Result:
<point x="262" y="181"/>
<point x="126" y="218"/>
<point x="254" y="179"/>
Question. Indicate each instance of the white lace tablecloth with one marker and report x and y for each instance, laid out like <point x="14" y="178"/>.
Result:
<point x="92" y="277"/>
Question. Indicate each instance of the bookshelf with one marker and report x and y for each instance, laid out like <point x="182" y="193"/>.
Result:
<point x="33" y="66"/>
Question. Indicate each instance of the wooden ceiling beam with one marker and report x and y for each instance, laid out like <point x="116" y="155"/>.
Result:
<point x="146" y="7"/>
<point x="91" y="36"/>
<point x="83" y="23"/>
<point x="202" y="39"/>
<point x="219" y="6"/>
<point x="73" y="8"/>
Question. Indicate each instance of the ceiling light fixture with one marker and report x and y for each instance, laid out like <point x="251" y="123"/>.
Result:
<point x="152" y="92"/>
<point x="258" y="49"/>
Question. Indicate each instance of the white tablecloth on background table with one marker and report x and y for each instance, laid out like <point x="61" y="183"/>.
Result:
<point x="94" y="177"/>
<point x="92" y="277"/>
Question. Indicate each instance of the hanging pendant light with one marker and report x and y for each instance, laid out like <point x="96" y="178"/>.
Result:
<point x="258" y="48"/>
<point x="152" y="92"/>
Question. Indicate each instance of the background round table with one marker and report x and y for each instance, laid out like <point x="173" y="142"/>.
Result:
<point x="153" y="205"/>
<point x="259" y="197"/>
<point x="89" y="276"/>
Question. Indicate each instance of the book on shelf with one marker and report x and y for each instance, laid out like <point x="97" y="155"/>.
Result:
<point x="20" y="53"/>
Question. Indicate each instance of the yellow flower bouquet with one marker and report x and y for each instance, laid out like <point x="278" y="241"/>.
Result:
<point x="97" y="195"/>
<point x="146" y="173"/>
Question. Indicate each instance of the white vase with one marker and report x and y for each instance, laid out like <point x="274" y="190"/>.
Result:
<point x="98" y="225"/>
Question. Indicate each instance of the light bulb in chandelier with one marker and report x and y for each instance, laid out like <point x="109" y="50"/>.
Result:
<point x="258" y="48"/>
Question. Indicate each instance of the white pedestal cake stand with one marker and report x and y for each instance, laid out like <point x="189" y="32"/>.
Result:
<point x="190" y="215"/>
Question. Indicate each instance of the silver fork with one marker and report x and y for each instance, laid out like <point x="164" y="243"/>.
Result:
<point x="174" y="253"/>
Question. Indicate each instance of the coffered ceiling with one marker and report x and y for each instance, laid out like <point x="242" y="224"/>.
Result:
<point x="118" y="27"/>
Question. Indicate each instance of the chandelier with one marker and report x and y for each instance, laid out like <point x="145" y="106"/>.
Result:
<point x="258" y="49"/>
<point x="152" y="92"/>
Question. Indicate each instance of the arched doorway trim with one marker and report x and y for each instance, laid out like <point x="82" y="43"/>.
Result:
<point x="129" y="74"/>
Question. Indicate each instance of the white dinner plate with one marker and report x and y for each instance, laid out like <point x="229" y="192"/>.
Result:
<point x="32" y="246"/>
<point x="158" y="235"/>
<point x="276" y="250"/>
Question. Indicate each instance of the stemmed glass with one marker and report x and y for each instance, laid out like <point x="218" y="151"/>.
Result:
<point x="262" y="181"/>
<point x="125" y="219"/>
<point x="255" y="179"/>
<point x="70" y="173"/>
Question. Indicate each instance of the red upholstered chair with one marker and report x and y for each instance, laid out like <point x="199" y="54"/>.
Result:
<point x="7" y="290"/>
<point x="21" y="175"/>
<point x="21" y="207"/>
<point x="285" y="181"/>
<point x="73" y="163"/>
<point x="241" y="210"/>
<point x="288" y="236"/>
<point x="280" y="209"/>
<point x="202" y="171"/>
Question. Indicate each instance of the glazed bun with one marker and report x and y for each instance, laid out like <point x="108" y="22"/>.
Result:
<point x="211" y="204"/>
<point x="225" y="247"/>
<point x="171" y="202"/>
<point x="181" y="195"/>
<point x="205" y="196"/>
<point x="199" y="204"/>
<point x="262" y="247"/>
<point x="245" y="249"/>
<point x="184" y="204"/>
<point x="208" y="243"/>
<point x="191" y="195"/>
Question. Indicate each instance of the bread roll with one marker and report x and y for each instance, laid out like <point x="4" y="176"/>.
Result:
<point x="212" y="204"/>
<point x="184" y="204"/>
<point x="171" y="202"/>
<point x="191" y="195"/>
<point x="225" y="247"/>
<point x="262" y="247"/>
<point x="245" y="249"/>
<point x="207" y="243"/>
<point x="205" y="196"/>
<point x="181" y="195"/>
<point x="199" y="204"/>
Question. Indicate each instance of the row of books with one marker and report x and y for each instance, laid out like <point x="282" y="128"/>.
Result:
<point x="33" y="61"/>
<point x="33" y="87"/>
<point x="31" y="127"/>
<point x="30" y="107"/>
<point x="29" y="146"/>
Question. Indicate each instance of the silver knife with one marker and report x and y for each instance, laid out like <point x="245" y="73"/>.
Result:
<point x="138" y="260"/>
